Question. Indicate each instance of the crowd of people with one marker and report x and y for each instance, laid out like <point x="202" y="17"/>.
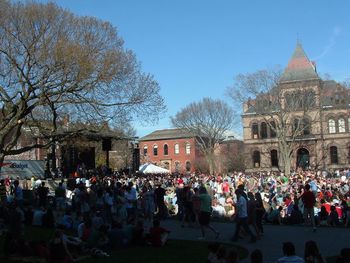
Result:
<point x="104" y="212"/>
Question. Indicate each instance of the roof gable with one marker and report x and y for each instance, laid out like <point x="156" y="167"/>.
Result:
<point x="299" y="67"/>
<point x="167" y="134"/>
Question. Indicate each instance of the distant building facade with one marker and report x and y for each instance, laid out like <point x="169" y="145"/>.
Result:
<point x="173" y="149"/>
<point x="176" y="150"/>
<point x="324" y="143"/>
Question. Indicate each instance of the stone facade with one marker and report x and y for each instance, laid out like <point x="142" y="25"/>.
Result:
<point x="324" y="143"/>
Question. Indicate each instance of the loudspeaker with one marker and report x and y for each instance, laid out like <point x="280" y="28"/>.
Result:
<point x="135" y="160"/>
<point x="106" y="144"/>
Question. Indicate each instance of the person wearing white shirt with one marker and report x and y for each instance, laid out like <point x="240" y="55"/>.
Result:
<point x="242" y="216"/>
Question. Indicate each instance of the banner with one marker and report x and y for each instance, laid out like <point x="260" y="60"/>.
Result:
<point x="24" y="169"/>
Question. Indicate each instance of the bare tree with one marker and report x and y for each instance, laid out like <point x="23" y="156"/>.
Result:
<point x="53" y="63"/>
<point x="207" y="120"/>
<point x="288" y="112"/>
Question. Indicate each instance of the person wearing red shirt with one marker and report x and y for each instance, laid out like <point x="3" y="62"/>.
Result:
<point x="226" y="188"/>
<point x="158" y="235"/>
<point x="309" y="201"/>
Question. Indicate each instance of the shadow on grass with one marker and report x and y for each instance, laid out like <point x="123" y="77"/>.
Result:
<point x="174" y="251"/>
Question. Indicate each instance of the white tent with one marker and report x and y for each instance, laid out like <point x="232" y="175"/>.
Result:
<point x="149" y="168"/>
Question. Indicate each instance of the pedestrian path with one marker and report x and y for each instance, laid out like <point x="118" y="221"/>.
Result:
<point x="330" y="240"/>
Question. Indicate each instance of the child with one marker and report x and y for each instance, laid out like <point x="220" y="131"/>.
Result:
<point x="158" y="235"/>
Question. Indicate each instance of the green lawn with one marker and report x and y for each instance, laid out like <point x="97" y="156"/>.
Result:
<point x="174" y="251"/>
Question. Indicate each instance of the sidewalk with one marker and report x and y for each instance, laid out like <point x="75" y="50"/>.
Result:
<point x="330" y="240"/>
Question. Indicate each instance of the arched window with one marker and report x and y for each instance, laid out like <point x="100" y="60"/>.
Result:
<point x="263" y="130"/>
<point x="188" y="166"/>
<point x="166" y="165"/>
<point x="256" y="158"/>
<point x="331" y="126"/>
<point x="341" y="125"/>
<point x="334" y="154"/>
<point x="274" y="158"/>
<point x="306" y="126"/>
<point x="165" y="149"/>
<point x="145" y="150"/>
<point x="177" y="166"/>
<point x="155" y="150"/>
<point x="177" y="148"/>
<point x="188" y="148"/>
<point x="255" y="130"/>
<point x="272" y="129"/>
<point x="302" y="126"/>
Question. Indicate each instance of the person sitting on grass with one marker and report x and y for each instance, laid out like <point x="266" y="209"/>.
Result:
<point x="158" y="235"/>
<point x="274" y="216"/>
<point x="288" y="249"/>
<point x="58" y="250"/>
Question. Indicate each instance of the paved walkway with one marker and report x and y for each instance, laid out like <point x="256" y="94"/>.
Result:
<point x="330" y="240"/>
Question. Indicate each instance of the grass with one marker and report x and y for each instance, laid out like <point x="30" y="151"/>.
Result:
<point x="174" y="251"/>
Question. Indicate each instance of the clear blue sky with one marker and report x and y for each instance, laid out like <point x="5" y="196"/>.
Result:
<point x="194" y="48"/>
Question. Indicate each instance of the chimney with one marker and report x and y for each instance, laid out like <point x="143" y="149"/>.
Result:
<point x="314" y="65"/>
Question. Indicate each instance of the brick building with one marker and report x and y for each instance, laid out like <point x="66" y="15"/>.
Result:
<point x="323" y="140"/>
<point x="173" y="149"/>
<point x="176" y="150"/>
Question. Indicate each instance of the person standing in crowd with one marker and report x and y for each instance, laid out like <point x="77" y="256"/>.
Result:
<point x="60" y="197"/>
<point x="131" y="199"/>
<point x="18" y="194"/>
<point x="242" y="216"/>
<point x="42" y="193"/>
<point x="149" y="206"/>
<point x="3" y="195"/>
<point x="205" y="212"/>
<point x="260" y="212"/>
<point x="309" y="201"/>
<point x="161" y="207"/>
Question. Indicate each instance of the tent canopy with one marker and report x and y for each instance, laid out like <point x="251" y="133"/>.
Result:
<point x="149" y="168"/>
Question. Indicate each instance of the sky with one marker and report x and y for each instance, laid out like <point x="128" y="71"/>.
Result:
<point x="195" y="48"/>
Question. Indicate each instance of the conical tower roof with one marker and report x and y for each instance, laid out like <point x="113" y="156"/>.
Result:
<point x="299" y="68"/>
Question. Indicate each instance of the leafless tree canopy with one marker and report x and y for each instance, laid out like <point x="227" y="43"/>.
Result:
<point x="207" y="120"/>
<point x="53" y="62"/>
<point x="286" y="111"/>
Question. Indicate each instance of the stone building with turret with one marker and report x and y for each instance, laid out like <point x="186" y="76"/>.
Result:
<point x="306" y="113"/>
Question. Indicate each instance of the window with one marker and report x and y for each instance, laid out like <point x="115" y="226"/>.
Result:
<point x="272" y="129"/>
<point x="331" y="126"/>
<point x="274" y="158"/>
<point x="145" y="150"/>
<point x="188" y="148"/>
<point x="166" y="165"/>
<point x="349" y="124"/>
<point x="188" y="166"/>
<point x="341" y="125"/>
<point x="256" y="159"/>
<point x="306" y="126"/>
<point x="263" y="130"/>
<point x="177" y="149"/>
<point x="166" y="149"/>
<point x="177" y="166"/>
<point x="155" y="150"/>
<point x="334" y="154"/>
<point x="302" y="126"/>
<point x="255" y="130"/>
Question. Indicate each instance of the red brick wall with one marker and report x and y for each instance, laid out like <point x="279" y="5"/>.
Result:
<point x="181" y="158"/>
